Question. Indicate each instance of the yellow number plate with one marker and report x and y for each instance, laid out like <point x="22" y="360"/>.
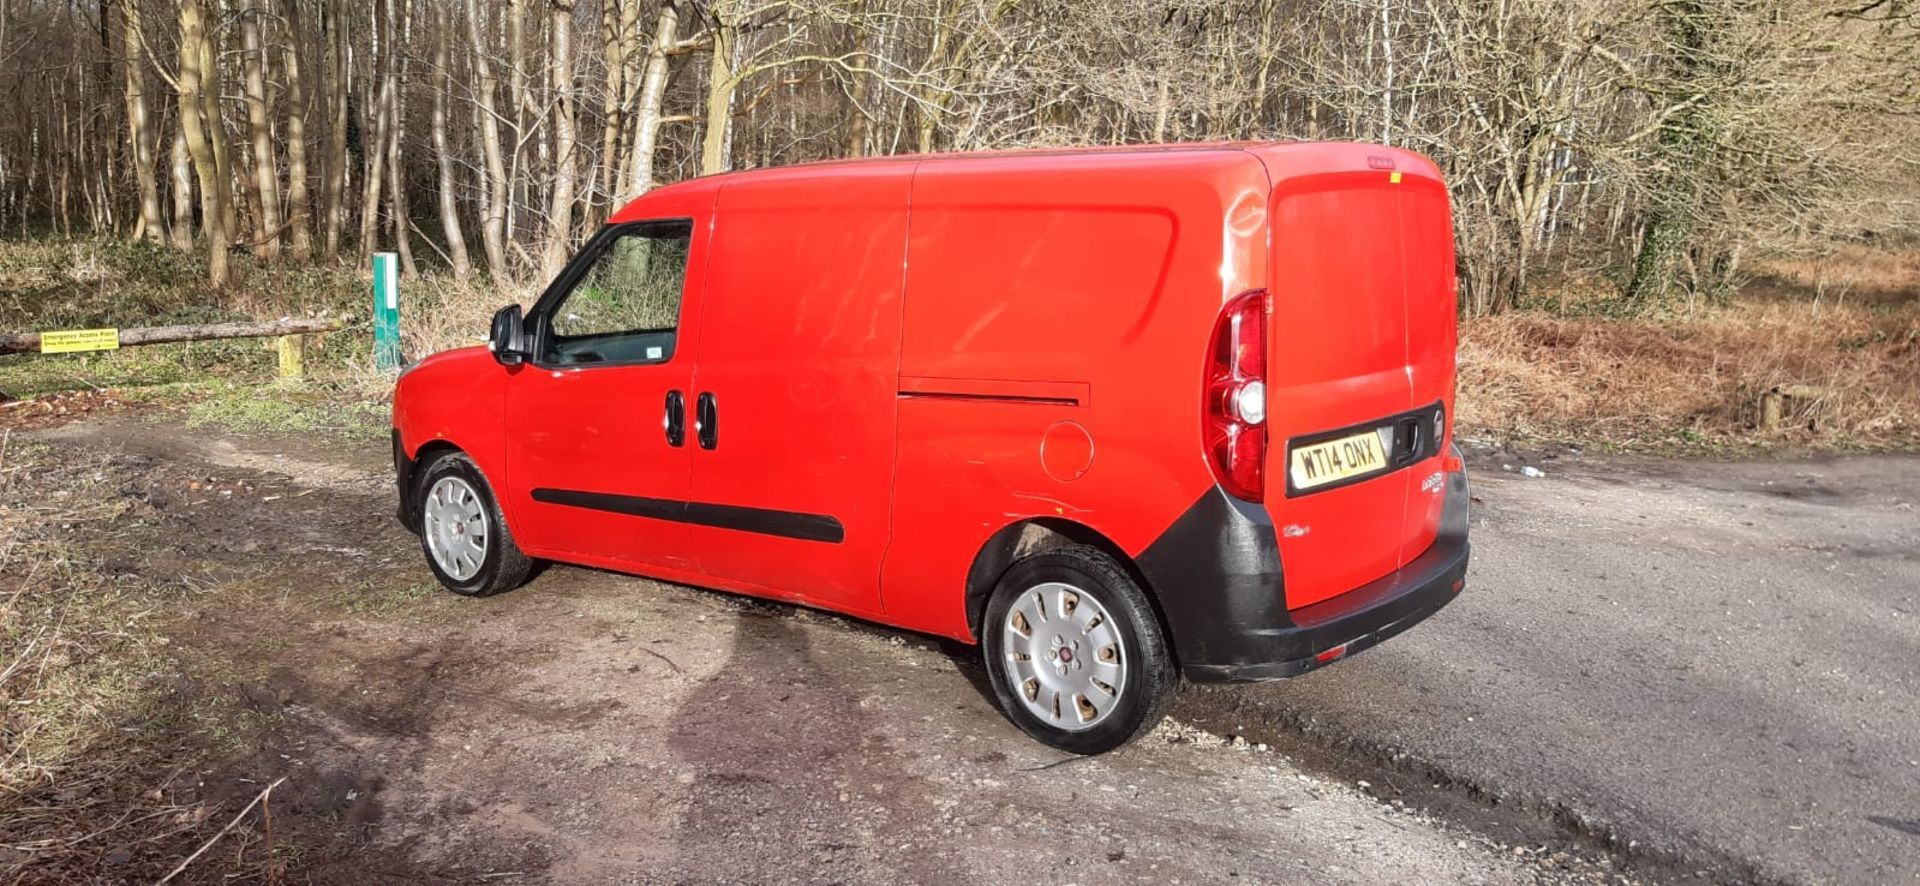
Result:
<point x="1335" y="460"/>
<point x="67" y="341"/>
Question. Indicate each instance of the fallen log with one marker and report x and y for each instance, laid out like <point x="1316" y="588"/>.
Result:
<point x="29" y="342"/>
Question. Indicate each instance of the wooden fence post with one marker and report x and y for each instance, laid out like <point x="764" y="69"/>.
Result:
<point x="1773" y="403"/>
<point x="292" y="350"/>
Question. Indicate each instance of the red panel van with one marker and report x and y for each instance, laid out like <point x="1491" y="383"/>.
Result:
<point x="1119" y="416"/>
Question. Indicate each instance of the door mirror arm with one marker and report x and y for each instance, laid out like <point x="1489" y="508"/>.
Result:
<point x="508" y="338"/>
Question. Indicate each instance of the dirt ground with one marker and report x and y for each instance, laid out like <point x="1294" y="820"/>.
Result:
<point x="1663" y="671"/>
<point x="594" y="727"/>
<point x="1712" y="663"/>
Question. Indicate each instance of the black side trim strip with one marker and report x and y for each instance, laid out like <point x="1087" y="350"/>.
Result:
<point x="784" y="524"/>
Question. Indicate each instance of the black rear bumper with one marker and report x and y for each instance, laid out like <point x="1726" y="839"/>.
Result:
<point x="1217" y="575"/>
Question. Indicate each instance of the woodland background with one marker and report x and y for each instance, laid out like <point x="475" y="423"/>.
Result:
<point x="1652" y="144"/>
<point x="1664" y="208"/>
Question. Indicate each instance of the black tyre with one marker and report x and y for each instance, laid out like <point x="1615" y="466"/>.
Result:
<point x="1075" y="652"/>
<point x="461" y="531"/>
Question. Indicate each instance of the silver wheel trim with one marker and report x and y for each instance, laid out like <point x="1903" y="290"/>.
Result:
<point x="454" y="522"/>
<point x="1064" y="656"/>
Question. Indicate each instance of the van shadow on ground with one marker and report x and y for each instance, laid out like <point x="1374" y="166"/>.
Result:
<point x="788" y="755"/>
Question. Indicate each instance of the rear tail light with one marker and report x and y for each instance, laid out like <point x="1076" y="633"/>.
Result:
<point x="1235" y="429"/>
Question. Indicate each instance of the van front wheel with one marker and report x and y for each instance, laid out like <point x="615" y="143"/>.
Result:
<point x="462" y="533"/>
<point x="1075" y="652"/>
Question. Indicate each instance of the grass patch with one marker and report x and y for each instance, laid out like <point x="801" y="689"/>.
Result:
<point x="375" y="598"/>
<point x="91" y="704"/>
<point x="289" y="408"/>
<point x="25" y="376"/>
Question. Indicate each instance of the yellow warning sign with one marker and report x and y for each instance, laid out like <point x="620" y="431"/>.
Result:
<point x="66" y="341"/>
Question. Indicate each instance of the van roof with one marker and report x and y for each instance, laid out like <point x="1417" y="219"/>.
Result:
<point x="1006" y="153"/>
<point x="1301" y="153"/>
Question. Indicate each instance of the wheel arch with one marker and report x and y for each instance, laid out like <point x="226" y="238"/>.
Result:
<point x="433" y="450"/>
<point x="1034" y="535"/>
<point x="409" y="472"/>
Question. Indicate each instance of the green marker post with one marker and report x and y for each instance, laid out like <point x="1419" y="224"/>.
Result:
<point x="386" y="311"/>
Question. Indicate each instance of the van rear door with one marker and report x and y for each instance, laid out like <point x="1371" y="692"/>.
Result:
<point x="1358" y="369"/>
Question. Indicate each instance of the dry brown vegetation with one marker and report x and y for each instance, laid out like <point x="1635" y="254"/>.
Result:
<point x="1847" y="324"/>
<point x="1850" y="273"/>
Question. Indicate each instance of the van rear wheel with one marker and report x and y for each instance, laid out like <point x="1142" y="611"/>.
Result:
<point x="1075" y="652"/>
<point x="462" y="533"/>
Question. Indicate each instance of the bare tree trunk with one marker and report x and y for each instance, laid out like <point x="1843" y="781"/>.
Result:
<point x="337" y="67"/>
<point x="380" y="88"/>
<point x="216" y="128"/>
<point x="927" y="109"/>
<point x="653" y="92"/>
<point x="944" y="56"/>
<point x="1684" y="144"/>
<point x="1263" y="58"/>
<point x="400" y="29"/>
<point x="299" y="201"/>
<point x="493" y="171"/>
<point x="449" y="207"/>
<point x="181" y="233"/>
<point x="213" y="212"/>
<point x="266" y="165"/>
<point x="104" y="167"/>
<point x="717" y="141"/>
<point x="522" y="105"/>
<point x="560" y="209"/>
<point x="61" y="186"/>
<point x="1162" y="108"/>
<point x="618" y="20"/>
<point x="1386" y="91"/>
<point x="862" y="87"/>
<point x="134" y="57"/>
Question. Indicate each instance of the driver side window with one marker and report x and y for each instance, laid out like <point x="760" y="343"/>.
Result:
<point x="626" y="307"/>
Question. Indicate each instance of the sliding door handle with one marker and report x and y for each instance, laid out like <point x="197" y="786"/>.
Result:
<point x="706" y="421"/>
<point x="676" y="420"/>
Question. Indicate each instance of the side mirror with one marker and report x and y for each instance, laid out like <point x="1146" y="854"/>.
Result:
<point x="508" y="339"/>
